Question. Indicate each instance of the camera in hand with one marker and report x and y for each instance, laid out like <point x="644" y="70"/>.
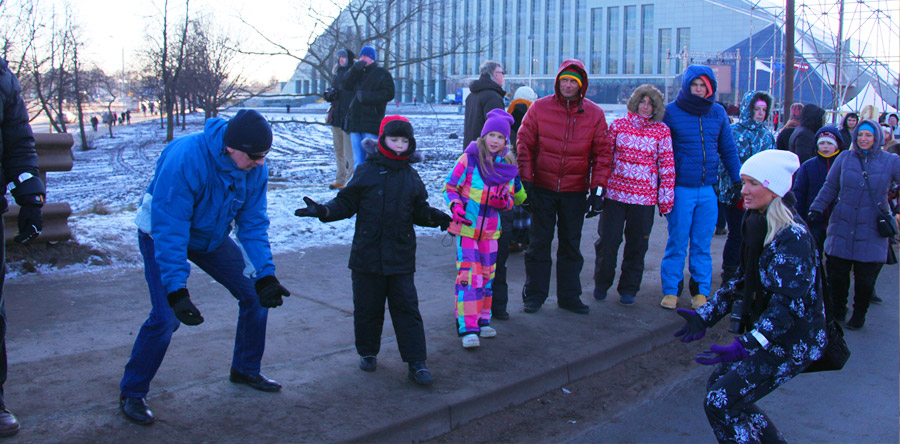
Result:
<point x="737" y="317"/>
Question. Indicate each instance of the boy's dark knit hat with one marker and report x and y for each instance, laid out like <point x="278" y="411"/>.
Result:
<point x="396" y="126"/>
<point x="248" y="131"/>
<point x="368" y="51"/>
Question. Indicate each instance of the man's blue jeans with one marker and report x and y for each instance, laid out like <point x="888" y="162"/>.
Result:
<point x="359" y="154"/>
<point x="692" y="220"/>
<point x="226" y="266"/>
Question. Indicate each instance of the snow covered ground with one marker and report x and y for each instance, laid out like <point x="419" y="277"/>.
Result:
<point x="106" y="183"/>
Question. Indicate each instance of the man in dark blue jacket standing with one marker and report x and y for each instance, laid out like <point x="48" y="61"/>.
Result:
<point x="20" y="175"/>
<point x="373" y="88"/>
<point x="701" y="135"/>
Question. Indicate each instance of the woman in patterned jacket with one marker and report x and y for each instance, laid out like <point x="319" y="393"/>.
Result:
<point x="782" y="316"/>
<point x="643" y="176"/>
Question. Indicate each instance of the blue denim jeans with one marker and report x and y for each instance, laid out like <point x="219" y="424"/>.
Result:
<point x="359" y="154"/>
<point x="226" y="266"/>
<point x="692" y="221"/>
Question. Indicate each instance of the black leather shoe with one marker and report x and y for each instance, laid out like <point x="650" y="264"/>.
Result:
<point x="855" y="322"/>
<point x="576" y="307"/>
<point x="531" y="307"/>
<point x="136" y="409"/>
<point x="257" y="381"/>
<point x="9" y="425"/>
<point x="419" y="374"/>
<point x="876" y="299"/>
<point x="368" y="363"/>
<point x="501" y="315"/>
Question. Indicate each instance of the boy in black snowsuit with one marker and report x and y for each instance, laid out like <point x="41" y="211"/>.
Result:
<point x="388" y="197"/>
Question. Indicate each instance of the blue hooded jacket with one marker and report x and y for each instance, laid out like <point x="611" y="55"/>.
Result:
<point x="750" y="137"/>
<point x="196" y="194"/>
<point x="701" y="134"/>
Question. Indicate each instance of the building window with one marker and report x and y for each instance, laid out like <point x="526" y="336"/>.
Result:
<point x="580" y="22"/>
<point x="565" y="34"/>
<point x="612" y="40"/>
<point x="596" y="49"/>
<point x="647" y="39"/>
<point x="522" y="60"/>
<point x="684" y="44"/>
<point x="630" y="37"/>
<point x="507" y="51"/>
<point x="535" y="25"/>
<point x="550" y="36"/>
<point x="665" y="44"/>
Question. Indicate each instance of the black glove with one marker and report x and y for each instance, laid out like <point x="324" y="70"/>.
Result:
<point x="693" y="329"/>
<point x="526" y="204"/>
<point x="812" y="216"/>
<point x="594" y="203"/>
<point x="185" y="311"/>
<point x="312" y="209"/>
<point x="443" y="220"/>
<point x="359" y="65"/>
<point x="270" y="292"/>
<point x="30" y="223"/>
<point x="330" y="95"/>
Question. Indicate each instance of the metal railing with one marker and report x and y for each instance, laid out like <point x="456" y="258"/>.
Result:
<point x="54" y="154"/>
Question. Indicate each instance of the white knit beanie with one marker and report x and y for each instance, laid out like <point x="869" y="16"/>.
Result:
<point x="774" y="169"/>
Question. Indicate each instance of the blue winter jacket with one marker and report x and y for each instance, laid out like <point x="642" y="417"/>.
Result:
<point x="701" y="134"/>
<point x="196" y="194"/>
<point x="750" y="137"/>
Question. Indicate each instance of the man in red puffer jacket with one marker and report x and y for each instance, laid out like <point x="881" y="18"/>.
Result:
<point x="563" y="152"/>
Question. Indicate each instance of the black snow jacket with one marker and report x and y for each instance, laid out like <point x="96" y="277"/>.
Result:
<point x="847" y="133"/>
<point x="373" y="88"/>
<point x="803" y="141"/>
<point x="338" y="96"/>
<point x="485" y="95"/>
<point x="17" y="154"/>
<point x="388" y="197"/>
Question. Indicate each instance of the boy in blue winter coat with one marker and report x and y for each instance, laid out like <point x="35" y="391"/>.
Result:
<point x="388" y="197"/>
<point x="205" y="183"/>
<point x="701" y="136"/>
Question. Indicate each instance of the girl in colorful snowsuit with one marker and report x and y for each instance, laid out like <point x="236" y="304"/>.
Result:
<point x="476" y="189"/>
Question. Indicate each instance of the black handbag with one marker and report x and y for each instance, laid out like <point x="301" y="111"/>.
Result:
<point x="836" y="352"/>
<point x="884" y="221"/>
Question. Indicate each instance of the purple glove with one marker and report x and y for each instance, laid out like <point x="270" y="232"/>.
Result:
<point x="693" y="329"/>
<point x="718" y="353"/>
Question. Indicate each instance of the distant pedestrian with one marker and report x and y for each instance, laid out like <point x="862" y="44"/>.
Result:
<point x="780" y="321"/>
<point x="803" y="140"/>
<point x="751" y="136"/>
<point x="287" y="108"/>
<point x="152" y="109"/>
<point x="128" y="116"/>
<point x="811" y="177"/>
<point x="782" y="141"/>
<point x="95" y="122"/>
<point x="701" y="139"/>
<point x="642" y="178"/>
<point x="388" y="198"/>
<point x="373" y="88"/>
<point x="486" y="93"/>
<point x="477" y="189"/>
<point x="340" y="99"/>
<point x="189" y="217"/>
<point x="144" y="109"/>
<point x="847" y="127"/>
<point x="564" y="152"/>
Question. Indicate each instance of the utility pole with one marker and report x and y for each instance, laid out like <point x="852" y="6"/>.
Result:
<point x="838" y="94"/>
<point x="788" y="57"/>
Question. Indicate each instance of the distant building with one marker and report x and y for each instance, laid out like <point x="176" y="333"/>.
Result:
<point x="623" y="44"/>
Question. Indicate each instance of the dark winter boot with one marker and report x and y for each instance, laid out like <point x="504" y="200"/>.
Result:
<point x="856" y="321"/>
<point x="419" y="374"/>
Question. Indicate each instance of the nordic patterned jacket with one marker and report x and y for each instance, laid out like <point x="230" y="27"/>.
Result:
<point x="464" y="185"/>
<point x="791" y="326"/>
<point x="643" y="171"/>
<point x="750" y="137"/>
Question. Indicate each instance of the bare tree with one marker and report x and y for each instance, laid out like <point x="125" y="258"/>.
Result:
<point x="209" y="77"/>
<point x="166" y="58"/>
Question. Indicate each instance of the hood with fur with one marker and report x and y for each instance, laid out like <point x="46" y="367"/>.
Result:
<point x="656" y="99"/>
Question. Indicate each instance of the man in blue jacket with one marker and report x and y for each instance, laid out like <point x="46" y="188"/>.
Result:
<point x="205" y="183"/>
<point x="701" y="135"/>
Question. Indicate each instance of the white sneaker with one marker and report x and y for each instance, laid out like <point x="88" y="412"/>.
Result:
<point x="488" y="332"/>
<point x="470" y="341"/>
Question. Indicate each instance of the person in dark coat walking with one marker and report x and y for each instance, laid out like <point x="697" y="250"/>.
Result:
<point x="811" y="177"/>
<point x="340" y="99"/>
<point x="388" y="197"/>
<point x="853" y="241"/>
<point x="781" y="326"/>
<point x="19" y="163"/>
<point x="485" y="94"/>
<point x="847" y="127"/>
<point x="95" y="122"/>
<point x="783" y="139"/>
<point x="373" y="88"/>
<point x="803" y="140"/>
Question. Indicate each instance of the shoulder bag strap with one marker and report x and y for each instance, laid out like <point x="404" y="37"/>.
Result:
<point x="865" y="175"/>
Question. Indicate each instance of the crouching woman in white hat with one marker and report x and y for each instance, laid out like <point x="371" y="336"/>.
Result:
<point x="781" y="329"/>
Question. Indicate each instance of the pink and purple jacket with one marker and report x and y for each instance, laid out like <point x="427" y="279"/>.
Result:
<point x="465" y="185"/>
<point x="643" y="170"/>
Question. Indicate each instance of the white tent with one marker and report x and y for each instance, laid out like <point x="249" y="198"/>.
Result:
<point x="868" y="96"/>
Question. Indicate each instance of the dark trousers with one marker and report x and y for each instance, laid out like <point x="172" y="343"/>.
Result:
<point x="500" y="287"/>
<point x="549" y="210"/>
<point x="637" y="222"/>
<point x="2" y="315"/>
<point x="864" y="276"/>
<point x="369" y="294"/>
<point x="731" y="254"/>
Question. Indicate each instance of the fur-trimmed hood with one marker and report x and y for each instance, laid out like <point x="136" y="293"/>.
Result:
<point x="656" y="99"/>
<point x="370" y="146"/>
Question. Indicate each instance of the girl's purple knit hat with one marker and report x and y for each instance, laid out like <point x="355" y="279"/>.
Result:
<point x="497" y="120"/>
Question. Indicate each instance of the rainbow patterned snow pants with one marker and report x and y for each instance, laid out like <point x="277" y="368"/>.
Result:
<point x="475" y="262"/>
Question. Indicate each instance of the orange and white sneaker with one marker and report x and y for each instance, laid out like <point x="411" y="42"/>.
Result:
<point x="698" y="301"/>
<point x="670" y="302"/>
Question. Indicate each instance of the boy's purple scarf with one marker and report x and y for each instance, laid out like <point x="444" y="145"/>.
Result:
<point x="503" y="172"/>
